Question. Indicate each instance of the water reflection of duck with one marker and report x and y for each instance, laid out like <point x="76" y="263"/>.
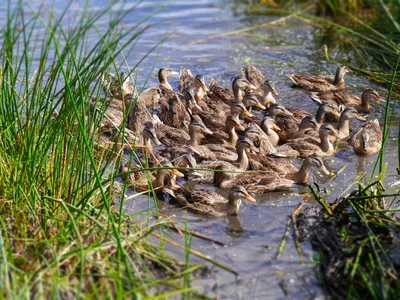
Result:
<point x="209" y="202"/>
<point x="320" y="83"/>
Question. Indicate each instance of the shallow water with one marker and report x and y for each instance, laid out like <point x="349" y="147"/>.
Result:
<point x="252" y="239"/>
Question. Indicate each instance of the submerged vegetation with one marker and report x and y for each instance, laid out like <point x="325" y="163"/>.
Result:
<point x="61" y="236"/>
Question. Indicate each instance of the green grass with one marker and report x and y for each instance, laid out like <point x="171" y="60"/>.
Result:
<point x="61" y="234"/>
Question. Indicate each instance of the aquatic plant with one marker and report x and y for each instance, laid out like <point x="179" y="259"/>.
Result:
<point x="61" y="234"/>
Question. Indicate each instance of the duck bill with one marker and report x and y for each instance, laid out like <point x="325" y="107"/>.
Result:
<point x="204" y="85"/>
<point x="177" y="173"/>
<point x="207" y="131"/>
<point x="276" y="128"/>
<point x="174" y="73"/>
<point x="169" y="192"/>
<point x="379" y="99"/>
<point x="247" y="114"/>
<point x="274" y="92"/>
<point x="156" y="141"/>
<point x="252" y="86"/>
<point x="254" y="149"/>
<point x="249" y="198"/>
<point x="361" y="118"/>
<point x="260" y="106"/>
<point x="239" y="127"/>
<point x="325" y="170"/>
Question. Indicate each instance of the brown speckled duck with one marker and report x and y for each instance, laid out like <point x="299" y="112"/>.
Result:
<point x="208" y="202"/>
<point x="308" y="147"/>
<point x="368" y="139"/>
<point x="348" y="99"/>
<point x="320" y="83"/>
<point x="269" y="181"/>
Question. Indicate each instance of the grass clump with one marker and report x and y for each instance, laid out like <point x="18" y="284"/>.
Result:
<point x="356" y="238"/>
<point x="60" y="234"/>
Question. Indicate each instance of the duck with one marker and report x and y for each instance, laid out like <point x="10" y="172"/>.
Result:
<point x="254" y="76"/>
<point x="143" y="181"/>
<point x="287" y="119"/>
<point x="347" y="115"/>
<point x="215" y="118"/>
<point x="174" y="112"/>
<point x="348" y="99"/>
<point x="269" y="127"/>
<point x="117" y="86"/>
<point x="218" y="93"/>
<point x="261" y="139"/>
<point x="308" y="127"/>
<point x="328" y="112"/>
<point x="235" y="161"/>
<point x="250" y="101"/>
<point x="229" y="136"/>
<point x="368" y="139"/>
<point x="320" y="83"/>
<point x="270" y="181"/>
<point x="197" y="129"/>
<point x="209" y="202"/>
<point x="197" y="84"/>
<point x="152" y="96"/>
<point x="268" y="98"/>
<point x="265" y="89"/>
<point x="307" y="147"/>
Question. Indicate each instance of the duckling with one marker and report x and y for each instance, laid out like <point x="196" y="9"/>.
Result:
<point x="344" y="122"/>
<point x="308" y="147"/>
<point x="270" y="181"/>
<point x="348" y="99"/>
<point x="208" y="202"/>
<point x="368" y="139"/>
<point x="319" y="83"/>
<point x="218" y="93"/>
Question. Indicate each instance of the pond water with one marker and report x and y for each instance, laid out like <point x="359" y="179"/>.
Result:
<point x="197" y="38"/>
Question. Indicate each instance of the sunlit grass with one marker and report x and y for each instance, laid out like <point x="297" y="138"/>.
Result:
<point x="61" y="234"/>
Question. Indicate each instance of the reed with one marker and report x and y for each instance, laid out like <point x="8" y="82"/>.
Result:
<point x="61" y="235"/>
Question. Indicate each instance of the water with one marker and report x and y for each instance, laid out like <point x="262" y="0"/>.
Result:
<point x="252" y="238"/>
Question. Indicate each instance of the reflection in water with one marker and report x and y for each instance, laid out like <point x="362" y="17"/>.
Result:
<point x="234" y="228"/>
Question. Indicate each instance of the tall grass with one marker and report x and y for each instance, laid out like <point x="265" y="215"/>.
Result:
<point x="60" y="234"/>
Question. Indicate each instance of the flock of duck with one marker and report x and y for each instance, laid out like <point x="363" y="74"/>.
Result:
<point x="211" y="134"/>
